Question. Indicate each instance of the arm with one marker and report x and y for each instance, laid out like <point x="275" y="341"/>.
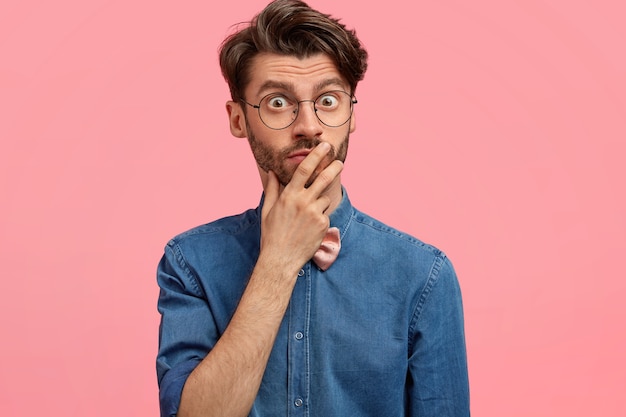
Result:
<point x="438" y="382"/>
<point x="294" y="221"/>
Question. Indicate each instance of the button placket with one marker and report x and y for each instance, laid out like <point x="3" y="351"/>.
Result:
<point x="297" y="346"/>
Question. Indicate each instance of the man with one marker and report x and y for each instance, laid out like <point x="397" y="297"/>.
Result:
<point x="257" y="319"/>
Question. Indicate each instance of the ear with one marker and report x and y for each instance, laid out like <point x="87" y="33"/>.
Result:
<point x="352" y="122"/>
<point x="237" y="119"/>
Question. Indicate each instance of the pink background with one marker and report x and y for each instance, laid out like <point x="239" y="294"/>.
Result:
<point x="493" y="129"/>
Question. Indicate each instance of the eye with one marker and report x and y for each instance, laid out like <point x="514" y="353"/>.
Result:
<point x="327" y="101"/>
<point x="277" y="102"/>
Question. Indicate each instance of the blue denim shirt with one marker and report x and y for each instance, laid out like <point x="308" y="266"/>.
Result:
<point x="380" y="333"/>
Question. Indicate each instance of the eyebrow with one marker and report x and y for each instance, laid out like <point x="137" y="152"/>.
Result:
<point x="275" y="85"/>
<point x="331" y="81"/>
<point x="285" y="86"/>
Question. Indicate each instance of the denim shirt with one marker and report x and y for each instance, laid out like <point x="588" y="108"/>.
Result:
<point x="380" y="333"/>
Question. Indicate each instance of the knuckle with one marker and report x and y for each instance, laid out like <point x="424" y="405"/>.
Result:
<point x="327" y="176"/>
<point x="303" y="169"/>
<point x="324" y="222"/>
<point x="324" y="177"/>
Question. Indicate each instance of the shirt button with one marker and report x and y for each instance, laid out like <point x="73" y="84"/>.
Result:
<point x="301" y="273"/>
<point x="299" y="335"/>
<point x="298" y="402"/>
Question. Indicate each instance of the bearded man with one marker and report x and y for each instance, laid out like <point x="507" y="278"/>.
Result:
<point x="305" y="306"/>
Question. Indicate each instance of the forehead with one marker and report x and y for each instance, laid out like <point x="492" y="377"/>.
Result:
<point x="302" y="76"/>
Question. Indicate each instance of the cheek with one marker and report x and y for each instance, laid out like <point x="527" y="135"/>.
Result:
<point x="342" y="149"/>
<point x="352" y="123"/>
<point x="261" y="152"/>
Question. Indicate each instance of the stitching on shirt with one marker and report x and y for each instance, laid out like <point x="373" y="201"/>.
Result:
<point x="180" y="258"/>
<point x="368" y="221"/>
<point x="253" y="218"/>
<point x="433" y="278"/>
<point x="348" y="223"/>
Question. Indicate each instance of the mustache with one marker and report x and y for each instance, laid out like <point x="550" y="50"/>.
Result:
<point x="305" y="143"/>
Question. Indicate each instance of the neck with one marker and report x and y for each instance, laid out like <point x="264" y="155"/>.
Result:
<point x="335" y="193"/>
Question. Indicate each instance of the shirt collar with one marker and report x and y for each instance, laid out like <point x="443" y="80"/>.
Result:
<point x="343" y="214"/>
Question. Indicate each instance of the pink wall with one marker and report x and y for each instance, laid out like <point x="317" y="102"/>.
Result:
<point x="493" y="129"/>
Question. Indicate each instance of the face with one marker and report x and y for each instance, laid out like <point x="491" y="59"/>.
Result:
<point x="303" y="79"/>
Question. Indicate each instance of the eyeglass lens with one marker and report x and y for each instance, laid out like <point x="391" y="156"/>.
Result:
<point x="332" y="108"/>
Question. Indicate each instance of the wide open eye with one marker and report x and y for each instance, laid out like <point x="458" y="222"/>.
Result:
<point x="328" y="101"/>
<point x="275" y="102"/>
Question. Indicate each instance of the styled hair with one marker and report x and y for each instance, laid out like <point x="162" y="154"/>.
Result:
<point x="291" y="27"/>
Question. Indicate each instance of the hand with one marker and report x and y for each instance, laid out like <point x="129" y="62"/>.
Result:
<point x="294" y="221"/>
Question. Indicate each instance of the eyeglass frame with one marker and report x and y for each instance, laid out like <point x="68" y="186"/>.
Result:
<point x="353" y="101"/>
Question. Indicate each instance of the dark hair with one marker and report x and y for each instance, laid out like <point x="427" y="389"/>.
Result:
<point x="291" y="27"/>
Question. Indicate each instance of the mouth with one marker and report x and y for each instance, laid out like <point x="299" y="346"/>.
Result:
<point x="299" y="155"/>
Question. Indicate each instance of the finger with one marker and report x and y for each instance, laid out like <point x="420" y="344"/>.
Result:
<point x="307" y="167"/>
<point x="272" y="192"/>
<point x="326" y="177"/>
<point x="321" y="204"/>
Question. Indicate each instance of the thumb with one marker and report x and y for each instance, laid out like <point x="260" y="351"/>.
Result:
<point x="272" y="192"/>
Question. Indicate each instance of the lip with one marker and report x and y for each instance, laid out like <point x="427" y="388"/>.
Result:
<point x="299" y="155"/>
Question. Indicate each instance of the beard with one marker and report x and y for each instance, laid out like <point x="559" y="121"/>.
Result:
<point x="273" y="160"/>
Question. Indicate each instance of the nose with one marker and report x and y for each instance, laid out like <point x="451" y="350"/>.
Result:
<point x="307" y="124"/>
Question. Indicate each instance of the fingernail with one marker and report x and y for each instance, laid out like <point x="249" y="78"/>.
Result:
<point x="325" y="146"/>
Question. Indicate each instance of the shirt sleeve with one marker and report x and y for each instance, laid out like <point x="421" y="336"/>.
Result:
<point x="438" y="382"/>
<point x="187" y="331"/>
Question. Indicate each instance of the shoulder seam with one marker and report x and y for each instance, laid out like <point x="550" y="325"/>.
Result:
<point x="180" y="259"/>
<point x="433" y="278"/>
<point x="371" y="222"/>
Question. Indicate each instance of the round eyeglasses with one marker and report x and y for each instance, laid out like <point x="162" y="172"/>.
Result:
<point x="278" y="111"/>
